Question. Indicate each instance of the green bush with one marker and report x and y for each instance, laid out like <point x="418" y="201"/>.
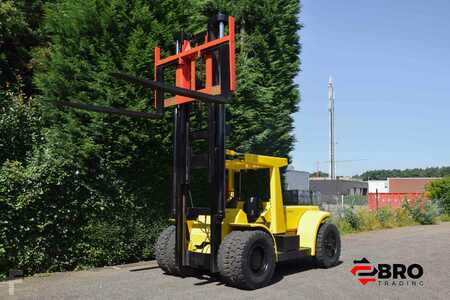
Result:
<point x="3" y="261"/>
<point x="20" y="126"/>
<point x="352" y="218"/>
<point x="368" y="219"/>
<point x="402" y="217"/>
<point x="423" y="211"/>
<point x="107" y="243"/>
<point x="50" y="228"/>
<point x="385" y="217"/>
<point x="343" y="225"/>
<point x="440" y="190"/>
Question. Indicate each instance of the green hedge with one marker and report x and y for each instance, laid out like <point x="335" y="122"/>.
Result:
<point x="81" y="189"/>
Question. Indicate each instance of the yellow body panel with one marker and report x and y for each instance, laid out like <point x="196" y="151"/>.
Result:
<point x="278" y="222"/>
<point x="199" y="234"/>
<point x="248" y="161"/>
<point x="309" y="226"/>
<point x="293" y="215"/>
<point x="199" y="231"/>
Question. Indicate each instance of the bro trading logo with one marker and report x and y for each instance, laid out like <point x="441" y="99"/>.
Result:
<point x="386" y="274"/>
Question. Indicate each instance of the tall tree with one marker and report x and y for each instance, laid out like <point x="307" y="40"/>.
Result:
<point x="20" y="33"/>
<point x="268" y="61"/>
<point x="268" y="49"/>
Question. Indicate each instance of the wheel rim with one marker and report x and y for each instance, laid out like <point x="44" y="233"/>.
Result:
<point x="258" y="262"/>
<point x="330" y="244"/>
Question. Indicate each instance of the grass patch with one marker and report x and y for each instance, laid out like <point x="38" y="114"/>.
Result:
<point x="444" y="218"/>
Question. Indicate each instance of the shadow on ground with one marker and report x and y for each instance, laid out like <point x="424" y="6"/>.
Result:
<point x="144" y="268"/>
<point x="282" y="270"/>
<point x="294" y="267"/>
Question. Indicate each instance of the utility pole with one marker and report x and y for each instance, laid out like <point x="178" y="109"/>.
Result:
<point x="332" y="174"/>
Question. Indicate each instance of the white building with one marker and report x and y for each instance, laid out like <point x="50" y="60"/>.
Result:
<point x="381" y="185"/>
<point x="400" y="185"/>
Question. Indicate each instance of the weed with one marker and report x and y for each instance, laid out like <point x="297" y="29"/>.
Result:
<point x="423" y="211"/>
<point x="352" y="219"/>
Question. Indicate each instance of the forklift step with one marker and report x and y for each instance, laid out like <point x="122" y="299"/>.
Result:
<point x="287" y="242"/>
<point x="199" y="260"/>
<point x="294" y="254"/>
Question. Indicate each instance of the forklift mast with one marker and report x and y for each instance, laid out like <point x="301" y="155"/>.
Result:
<point x="215" y="48"/>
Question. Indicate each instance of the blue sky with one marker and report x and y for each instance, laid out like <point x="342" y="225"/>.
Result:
<point x="390" y="61"/>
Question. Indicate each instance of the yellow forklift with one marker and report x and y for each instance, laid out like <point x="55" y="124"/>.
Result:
<point x="241" y="238"/>
<point x="253" y="234"/>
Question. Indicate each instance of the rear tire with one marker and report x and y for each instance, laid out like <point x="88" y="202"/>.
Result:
<point x="246" y="259"/>
<point x="328" y="245"/>
<point x="165" y="253"/>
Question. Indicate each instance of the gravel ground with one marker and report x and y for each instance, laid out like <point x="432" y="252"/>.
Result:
<point x="428" y="246"/>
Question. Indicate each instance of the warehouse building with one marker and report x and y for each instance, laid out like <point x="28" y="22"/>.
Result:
<point x="296" y="180"/>
<point x="296" y="187"/>
<point x="400" y="185"/>
<point x="344" y="187"/>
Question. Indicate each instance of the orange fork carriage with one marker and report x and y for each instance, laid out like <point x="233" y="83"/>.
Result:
<point x="185" y="61"/>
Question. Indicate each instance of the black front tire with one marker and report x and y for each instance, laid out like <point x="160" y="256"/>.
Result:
<point x="165" y="253"/>
<point x="246" y="259"/>
<point x="328" y="245"/>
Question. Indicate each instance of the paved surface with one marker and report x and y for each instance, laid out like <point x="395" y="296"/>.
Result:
<point x="425" y="245"/>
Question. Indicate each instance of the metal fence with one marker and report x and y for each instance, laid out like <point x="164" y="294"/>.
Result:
<point x="394" y="200"/>
<point x="335" y="204"/>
